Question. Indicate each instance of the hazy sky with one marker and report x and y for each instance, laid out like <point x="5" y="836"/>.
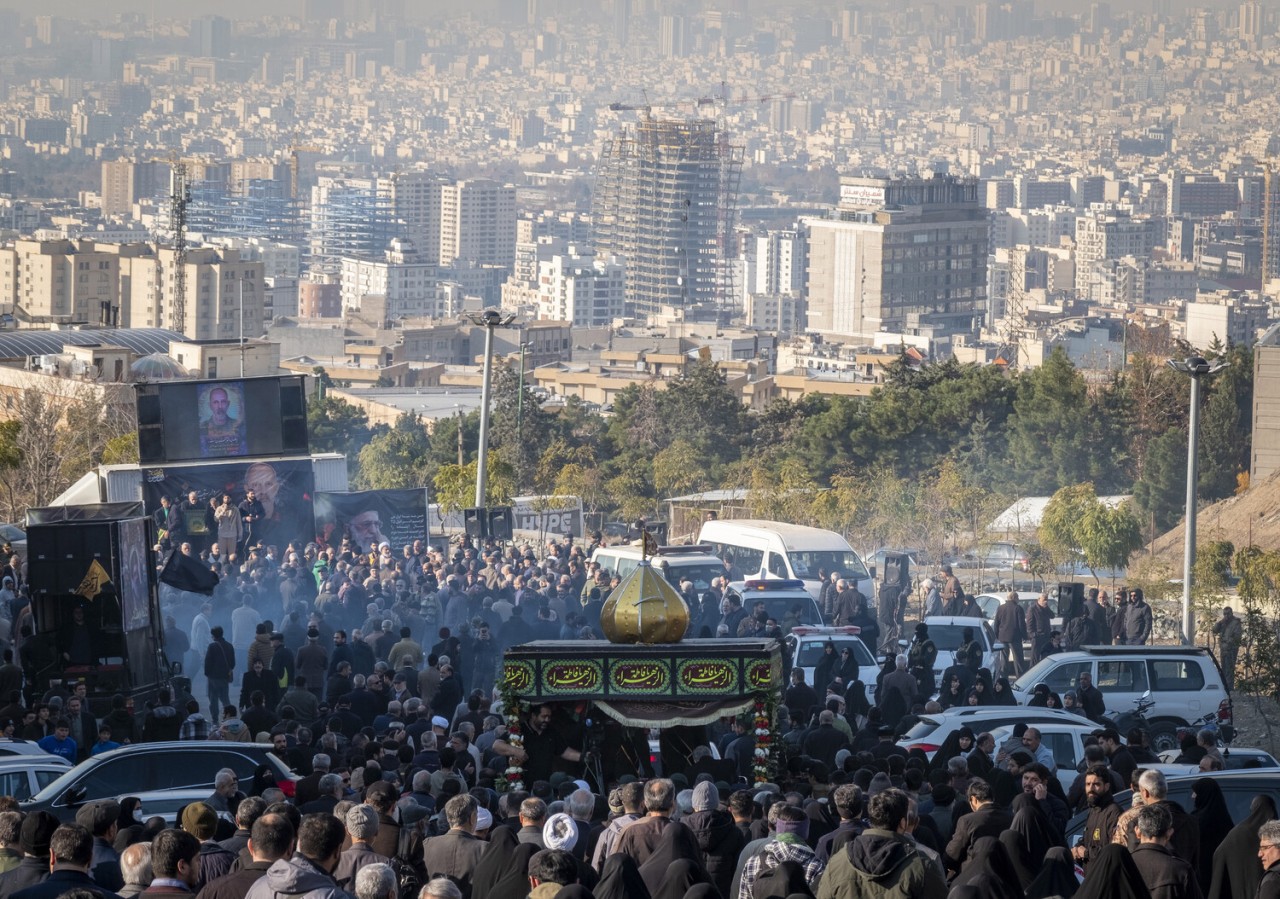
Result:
<point x="105" y="9"/>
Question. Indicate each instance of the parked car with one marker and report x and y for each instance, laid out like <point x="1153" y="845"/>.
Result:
<point x="989" y="602"/>
<point x="1184" y="681"/>
<point x="694" y="562"/>
<point x="167" y="771"/>
<point x="806" y="644"/>
<point x="22" y="776"/>
<point x="786" y="600"/>
<point x="1238" y="789"/>
<point x="16" y="537"/>
<point x="12" y="746"/>
<point x="932" y="730"/>
<point x="947" y="633"/>
<point x="996" y="557"/>
<point x="1234" y="757"/>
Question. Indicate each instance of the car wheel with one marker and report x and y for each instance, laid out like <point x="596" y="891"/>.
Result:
<point x="1163" y="736"/>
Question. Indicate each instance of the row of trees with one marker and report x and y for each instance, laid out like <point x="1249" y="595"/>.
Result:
<point x="936" y="450"/>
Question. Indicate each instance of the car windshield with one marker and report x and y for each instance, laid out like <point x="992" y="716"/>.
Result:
<point x="845" y="563"/>
<point x="788" y="610"/>
<point x="811" y="651"/>
<point x="701" y="575"/>
<point x="1035" y="674"/>
<point x="947" y="637"/>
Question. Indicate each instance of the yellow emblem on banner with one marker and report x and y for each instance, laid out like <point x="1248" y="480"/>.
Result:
<point x="94" y="580"/>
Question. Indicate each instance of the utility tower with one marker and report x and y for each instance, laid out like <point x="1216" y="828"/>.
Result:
<point x="179" y="199"/>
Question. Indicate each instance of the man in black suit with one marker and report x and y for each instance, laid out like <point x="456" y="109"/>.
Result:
<point x="985" y="819"/>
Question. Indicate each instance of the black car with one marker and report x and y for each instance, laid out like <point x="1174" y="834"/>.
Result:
<point x="1239" y="787"/>
<point x="182" y="770"/>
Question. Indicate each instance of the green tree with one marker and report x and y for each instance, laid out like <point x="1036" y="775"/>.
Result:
<point x="1051" y="433"/>
<point x="1059" y="531"/>
<point x="1213" y="565"/>
<point x="677" y="469"/>
<point x="396" y="458"/>
<point x="1161" y="491"/>
<point x="455" y="485"/>
<point x="1226" y="430"/>
<point x="1109" y="536"/>
<point x="336" y="426"/>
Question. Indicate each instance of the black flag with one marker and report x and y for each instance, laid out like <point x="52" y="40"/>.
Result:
<point x="186" y="573"/>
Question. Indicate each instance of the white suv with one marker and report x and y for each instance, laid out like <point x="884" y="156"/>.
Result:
<point x="807" y="642"/>
<point x="1184" y="682"/>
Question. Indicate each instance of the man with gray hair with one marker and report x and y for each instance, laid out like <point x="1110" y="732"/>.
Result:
<point x="456" y="853"/>
<point x="1166" y="876"/>
<point x="226" y="784"/>
<point x="375" y="881"/>
<point x="362" y="826"/>
<point x="1269" y="855"/>
<point x="580" y="805"/>
<point x="439" y="888"/>
<point x="330" y="795"/>
<point x="824" y="741"/>
<point x="308" y="788"/>
<point x="898" y="691"/>
<point x="1154" y="790"/>
<point x="135" y="868"/>
<point x="642" y="838"/>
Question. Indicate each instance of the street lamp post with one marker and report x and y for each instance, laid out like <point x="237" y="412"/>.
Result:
<point x="1194" y="367"/>
<point x="489" y="319"/>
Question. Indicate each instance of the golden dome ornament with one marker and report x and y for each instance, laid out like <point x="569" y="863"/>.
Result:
<point x="645" y="608"/>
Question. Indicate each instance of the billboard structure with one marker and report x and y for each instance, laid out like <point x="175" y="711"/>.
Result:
<point x="369" y="517"/>
<point x="285" y="488"/>
<point x="547" y="516"/>
<point x="188" y="421"/>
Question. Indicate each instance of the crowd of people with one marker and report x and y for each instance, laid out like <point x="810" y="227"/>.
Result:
<point x="371" y="675"/>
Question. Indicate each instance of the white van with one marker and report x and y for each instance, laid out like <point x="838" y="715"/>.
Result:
<point x="787" y="551"/>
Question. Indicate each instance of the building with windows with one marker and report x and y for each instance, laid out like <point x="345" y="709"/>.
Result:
<point x="904" y="255"/>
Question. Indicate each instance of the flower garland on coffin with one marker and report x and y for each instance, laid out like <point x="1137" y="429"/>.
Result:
<point x="762" y="762"/>
<point x="511" y="779"/>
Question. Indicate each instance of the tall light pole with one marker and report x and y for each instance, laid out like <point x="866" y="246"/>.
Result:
<point x="1194" y="367"/>
<point x="489" y="319"/>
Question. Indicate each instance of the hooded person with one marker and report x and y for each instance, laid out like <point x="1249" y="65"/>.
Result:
<point x="1028" y="838"/>
<point x="1113" y="875"/>
<point x="1209" y="808"/>
<point x="620" y="879"/>
<point x="1057" y="876"/>
<point x="990" y="869"/>
<point x="503" y="869"/>
<point x="679" y="878"/>
<point x="718" y="838"/>
<point x="675" y="844"/>
<point x="1236" y="869"/>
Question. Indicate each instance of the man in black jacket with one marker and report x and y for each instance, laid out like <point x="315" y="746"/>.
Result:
<point x="71" y="850"/>
<point x="219" y="667"/>
<point x="1103" y="814"/>
<point x="33" y="839"/>
<point x="985" y="819"/>
<point x="1166" y="875"/>
<point x="271" y="839"/>
<point x="1011" y="630"/>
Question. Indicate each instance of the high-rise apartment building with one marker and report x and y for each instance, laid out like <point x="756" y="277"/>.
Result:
<point x="68" y="280"/>
<point x="478" y="223"/>
<point x="225" y="293"/>
<point x="665" y="204"/>
<point x="415" y="205"/>
<point x="125" y="181"/>
<point x="1108" y="235"/>
<point x="211" y="37"/>
<point x="904" y="255"/>
<point x="584" y="290"/>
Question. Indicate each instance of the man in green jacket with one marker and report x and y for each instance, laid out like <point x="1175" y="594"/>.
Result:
<point x="882" y="862"/>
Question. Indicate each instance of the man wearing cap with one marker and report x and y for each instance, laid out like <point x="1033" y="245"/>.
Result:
<point x="270" y="840"/>
<point x="69" y="856"/>
<point x="33" y="839"/>
<point x="361" y="822"/>
<point x="102" y="820"/>
<point x="213" y="861"/>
